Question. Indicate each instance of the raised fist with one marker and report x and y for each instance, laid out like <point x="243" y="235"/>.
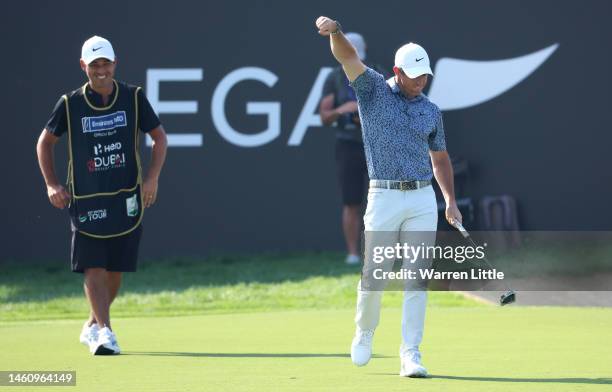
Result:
<point x="326" y="25"/>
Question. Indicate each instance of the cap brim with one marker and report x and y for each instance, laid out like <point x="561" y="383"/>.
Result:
<point x="415" y="72"/>
<point x="91" y="60"/>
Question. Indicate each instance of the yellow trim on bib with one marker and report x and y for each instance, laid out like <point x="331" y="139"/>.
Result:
<point x="107" y="193"/>
<point x="70" y="159"/>
<point x="138" y="164"/>
<point x="122" y="233"/>
<point x="103" y="108"/>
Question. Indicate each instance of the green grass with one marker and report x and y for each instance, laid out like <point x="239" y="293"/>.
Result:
<point x="192" y="286"/>
<point x="465" y="349"/>
<point x="284" y="323"/>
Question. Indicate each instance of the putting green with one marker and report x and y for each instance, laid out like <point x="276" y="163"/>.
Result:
<point x="465" y="349"/>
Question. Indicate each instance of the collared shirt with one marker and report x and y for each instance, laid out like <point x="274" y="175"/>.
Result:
<point x="398" y="132"/>
<point x="96" y="99"/>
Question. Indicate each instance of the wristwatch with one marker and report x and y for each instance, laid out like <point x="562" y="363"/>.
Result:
<point x="338" y="28"/>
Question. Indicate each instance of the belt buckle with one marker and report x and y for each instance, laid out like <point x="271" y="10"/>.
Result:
<point x="404" y="186"/>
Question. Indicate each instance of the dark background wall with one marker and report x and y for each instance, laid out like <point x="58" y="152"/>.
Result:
<point x="545" y="141"/>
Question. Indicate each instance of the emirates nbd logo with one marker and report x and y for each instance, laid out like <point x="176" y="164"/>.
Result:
<point x="104" y="123"/>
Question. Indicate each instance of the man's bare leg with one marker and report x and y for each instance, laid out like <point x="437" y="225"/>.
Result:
<point x="97" y="292"/>
<point x="113" y="284"/>
<point x="351" y="225"/>
<point x="92" y="318"/>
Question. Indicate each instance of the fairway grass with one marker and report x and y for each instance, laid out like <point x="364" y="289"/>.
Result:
<point x="194" y="286"/>
<point x="465" y="349"/>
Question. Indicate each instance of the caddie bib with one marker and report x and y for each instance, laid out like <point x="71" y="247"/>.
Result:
<point x="104" y="171"/>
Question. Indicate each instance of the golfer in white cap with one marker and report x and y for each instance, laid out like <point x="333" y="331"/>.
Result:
<point x="405" y="147"/>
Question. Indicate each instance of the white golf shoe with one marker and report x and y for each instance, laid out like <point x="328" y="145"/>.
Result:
<point x="89" y="333"/>
<point x="361" y="348"/>
<point x="106" y="343"/>
<point x="411" y="365"/>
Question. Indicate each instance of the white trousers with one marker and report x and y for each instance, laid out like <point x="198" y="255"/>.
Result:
<point x="391" y="210"/>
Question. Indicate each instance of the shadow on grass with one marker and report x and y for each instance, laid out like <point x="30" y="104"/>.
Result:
<point x="31" y="282"/>
<point x="601" y="381"/>
<point x="241" y="355"/>
<point x="577" y="380"/>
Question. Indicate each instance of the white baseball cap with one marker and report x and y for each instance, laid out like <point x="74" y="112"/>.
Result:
<point x="413" y="60"/>
<point x="359" y="43"/>
<point x="95" y="48"/>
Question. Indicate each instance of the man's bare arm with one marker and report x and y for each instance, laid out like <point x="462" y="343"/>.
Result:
<point x="158" y="157"/>
<point x="341" y="48"/>
<point x="58" y="196"/>
<point x="443" y="171"/>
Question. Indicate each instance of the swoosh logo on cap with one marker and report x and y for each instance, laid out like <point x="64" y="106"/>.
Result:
<point x="94" y="49"/>
<point x="486" y="79"/>
<point x="420" y="59"/>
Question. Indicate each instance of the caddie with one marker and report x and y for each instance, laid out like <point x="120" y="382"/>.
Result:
<point x="106" y="193"/>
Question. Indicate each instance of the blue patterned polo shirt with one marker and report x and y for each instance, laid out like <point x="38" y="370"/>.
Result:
<point x="398" y="132"/>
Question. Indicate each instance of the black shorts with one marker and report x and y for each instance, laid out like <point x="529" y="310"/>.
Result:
<point x="352" y="171"/>
<point x="117" y="254"/>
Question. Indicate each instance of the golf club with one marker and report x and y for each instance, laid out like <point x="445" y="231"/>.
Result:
<point x="509" y="296"/>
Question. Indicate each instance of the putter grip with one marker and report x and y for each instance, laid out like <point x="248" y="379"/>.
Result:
<point x="462" y="229"/>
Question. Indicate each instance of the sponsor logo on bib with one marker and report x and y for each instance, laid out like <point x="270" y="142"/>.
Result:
<point x="132" y="205"/>
<point x="103" y="163"/>
<point x="93" y="216"/>
<point x="107" y="122"/>
<point x="99" y="149"/>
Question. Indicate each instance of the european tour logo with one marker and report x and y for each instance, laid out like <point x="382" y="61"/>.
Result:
<point x="92" y="216"/>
